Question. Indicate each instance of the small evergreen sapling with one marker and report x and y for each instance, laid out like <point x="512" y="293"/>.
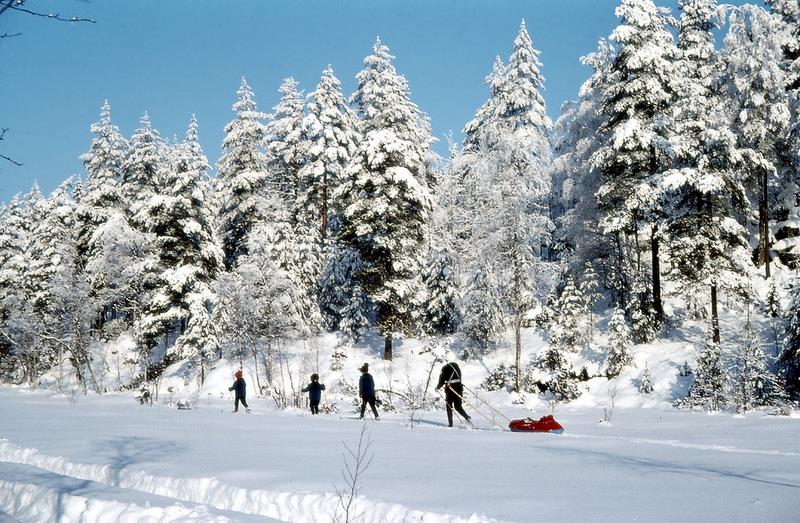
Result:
<point x="619" y="344"/>
<point x="646" y="382"/>
<point x="708" y="389"/>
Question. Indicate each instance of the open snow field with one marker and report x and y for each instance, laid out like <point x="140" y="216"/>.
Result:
<point x="106" y="458"/>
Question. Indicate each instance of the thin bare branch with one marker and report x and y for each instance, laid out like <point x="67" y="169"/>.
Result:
<point x="17" y="6"/>
<point x="9" y="35"/>
<point x="3" y="156"/>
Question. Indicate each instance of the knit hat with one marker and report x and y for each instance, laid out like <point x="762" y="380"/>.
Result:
<point x="364" y="367"/>
<point x="315" y="377"/>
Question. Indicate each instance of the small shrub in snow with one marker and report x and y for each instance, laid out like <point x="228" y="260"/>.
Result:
<point x="500" y="378"/>
<point x="685" y="370"/>
<point x="338" y="358"/>
<point x="646" y="382"/>
<point x="564" y="386"/>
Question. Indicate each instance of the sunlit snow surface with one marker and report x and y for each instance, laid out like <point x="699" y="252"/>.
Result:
<point x="106" y="458"/>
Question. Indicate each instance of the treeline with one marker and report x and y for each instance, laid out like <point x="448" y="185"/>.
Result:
<point x="674" y="177"/>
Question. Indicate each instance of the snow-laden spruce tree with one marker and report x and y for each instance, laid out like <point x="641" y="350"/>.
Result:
<point x="242" y="173"/>
<point x="329" y="130"/>
<point x="578" y="238"/>
<point x="481" y="130"/>
<point x="703" y="192"/>
<point x="257" y="309"/>
<point x="294" y="249"/>
<point x="101" y="195"/>
<point x="143" y="167"/>
<point x="634" y="107"/>
<point x="619" y="344"/>
<point x="343" y="302"/>
<point x="387" y="195"/>
<point x="441" y="315"/>
<point x="787" y="208"/>
<point x="286" y="144"/>
<point x="751" y="380"/>
<point x="790" y="355"/>
<point x="756" y="83"/>
<point x="182" y="225"/>
<point x="59" y="292"/>
<point x="20" y="322"/>
<point x="710" y="381"/>
<point x="481" y="310"/>
<point x="568" y="331"/>
<point x="507" y="173"/>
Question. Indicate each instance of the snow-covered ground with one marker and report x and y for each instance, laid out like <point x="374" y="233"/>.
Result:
<point x="107" y="458"/>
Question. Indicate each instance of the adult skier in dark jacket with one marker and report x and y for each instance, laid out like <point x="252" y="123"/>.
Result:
<point x="450" y="379"/>
<point x="241" y="392"/>
<point x="314" y="390"/>
<point x="366" y="390"/>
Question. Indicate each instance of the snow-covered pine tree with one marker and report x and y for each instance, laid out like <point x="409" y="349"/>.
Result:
<point x="756" y="82"/>
<point x="19" y="321"/>
<point x="752" y="383"/>
<point x="568" y="327"/>
<point x="578" y="239"/>
<point x="787" y="232"/>
<point x="101" y="195"/>
<point x="634" y="106"/>
<point x="482" y="317"/>
<point x="286" y="145"/>
<point x="242" y="173"/>
<point x="619" y="344"/>
<point x="709" y="387"/>
<point x="189" y="254"/>
<point x="143" y="166"/>
<point x="342" y="301"/>
<point x="482" y="130"/>
<point x="329" y="129"/>
<point x="703" y="191"/>
<point x="441" y="309"/>
<point x="387" y="194"/>
<point x="790" y="356"/>
<point x="510" y="184"/>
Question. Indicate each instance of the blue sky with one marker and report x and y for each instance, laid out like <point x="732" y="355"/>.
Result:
<point x="173" y="58"/>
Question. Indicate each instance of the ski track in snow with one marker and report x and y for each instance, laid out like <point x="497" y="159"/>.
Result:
<point x="679" y="444"/>
<point x="286" y="506"/>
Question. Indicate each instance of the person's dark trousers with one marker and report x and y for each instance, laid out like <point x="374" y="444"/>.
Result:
<point x="314" y="406"/>
<point x="236" y="404"/>
<point x="371" y="401"/>
<point x="453" y="400"/>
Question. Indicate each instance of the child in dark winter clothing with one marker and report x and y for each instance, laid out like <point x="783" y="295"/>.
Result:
<point x="241" y="392"/>
<point x="366" y="391"/>
<point x="314" y="390"/>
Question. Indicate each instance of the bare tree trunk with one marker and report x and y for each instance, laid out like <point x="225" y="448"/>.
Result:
<point x="714" y="313"/>
<point x="656" y="267"/>
<point x="324" y="227"/>
<point x="763" y="227"/>
<point x="518" y="351"/>
<point x="387" y="346"/>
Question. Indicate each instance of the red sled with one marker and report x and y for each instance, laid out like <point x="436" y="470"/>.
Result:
<point x="543" y="424"/>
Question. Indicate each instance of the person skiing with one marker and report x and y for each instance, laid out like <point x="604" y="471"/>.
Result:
<point x="450" y="379"/>
<point x="314" y="390"/>
<point x="366" y="391"/>
<point x="241" y="392"/>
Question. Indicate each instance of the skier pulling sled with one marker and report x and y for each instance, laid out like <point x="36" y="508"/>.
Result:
<point x="543" y="424"/>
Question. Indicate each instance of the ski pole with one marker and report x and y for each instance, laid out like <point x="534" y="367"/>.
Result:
<point x="487" y="404"/>
<point x="484" y="416"/>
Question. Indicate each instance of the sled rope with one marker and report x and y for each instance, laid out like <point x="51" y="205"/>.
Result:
<point x="484" y="416"/>
<point x="485" y="403"/>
